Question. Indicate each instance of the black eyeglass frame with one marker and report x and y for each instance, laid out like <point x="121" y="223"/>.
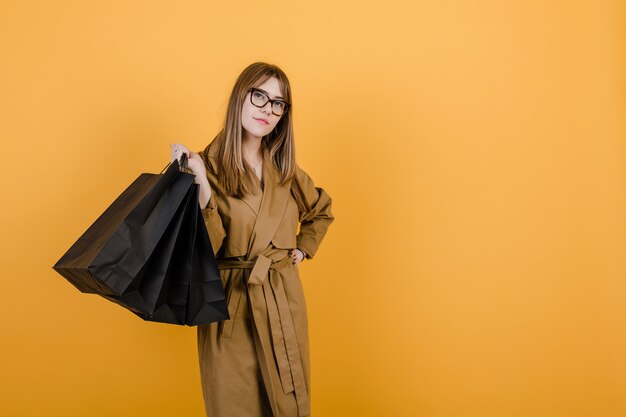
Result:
<point x="287" y="105"/>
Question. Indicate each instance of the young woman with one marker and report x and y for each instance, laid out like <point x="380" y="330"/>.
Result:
<point x="264" y="215"/>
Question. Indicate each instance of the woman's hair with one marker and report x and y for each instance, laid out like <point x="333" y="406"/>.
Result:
<point x="235" y="175"/>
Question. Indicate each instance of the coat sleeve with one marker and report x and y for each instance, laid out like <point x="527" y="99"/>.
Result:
<point x="210" y="213"/>
<point x="313" y="224"/>
<point x="213" y="222"/>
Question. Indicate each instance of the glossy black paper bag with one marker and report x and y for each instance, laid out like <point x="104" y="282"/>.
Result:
<point x="190" y="289"/>
<point x="150" y="252"/>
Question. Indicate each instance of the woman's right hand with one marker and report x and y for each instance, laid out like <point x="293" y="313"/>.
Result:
<point x="196" y="165"/>
<point x="178" y="150"/>
<point x="194" y="162"/>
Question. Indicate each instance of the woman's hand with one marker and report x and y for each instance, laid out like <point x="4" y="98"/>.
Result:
<point x="194" y="162"/>
<point x="196" y="165"/>
<point x="297" y="255"/>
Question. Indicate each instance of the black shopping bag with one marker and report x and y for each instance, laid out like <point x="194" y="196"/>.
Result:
<point x="150" y="253"/>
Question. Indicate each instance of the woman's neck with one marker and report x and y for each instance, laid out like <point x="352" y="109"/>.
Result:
<point x="251" y="148"/>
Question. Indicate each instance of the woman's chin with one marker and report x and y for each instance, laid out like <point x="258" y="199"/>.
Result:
<point x="257" y="133"/>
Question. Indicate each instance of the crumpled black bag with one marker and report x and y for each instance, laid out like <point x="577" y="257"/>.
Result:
<point x="150" y="252"/>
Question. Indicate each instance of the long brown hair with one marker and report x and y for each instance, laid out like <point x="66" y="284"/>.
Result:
<point x="234" y="174"/>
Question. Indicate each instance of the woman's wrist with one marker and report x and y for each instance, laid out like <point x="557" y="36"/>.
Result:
<point x="200" y="178"/>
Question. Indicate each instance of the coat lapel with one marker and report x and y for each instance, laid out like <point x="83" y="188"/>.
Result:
<point x="272" y="207"/>
<point x="254" y="200"/>
<point x="269" y="206"/>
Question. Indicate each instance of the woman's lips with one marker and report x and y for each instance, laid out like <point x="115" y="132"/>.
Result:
<point x="262" y="121"/>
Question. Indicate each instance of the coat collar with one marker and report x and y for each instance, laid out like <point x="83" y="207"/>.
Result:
<point x="272" y="206"/>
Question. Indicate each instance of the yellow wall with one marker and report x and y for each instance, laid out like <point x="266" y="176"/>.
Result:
<point x="475" y="152"/>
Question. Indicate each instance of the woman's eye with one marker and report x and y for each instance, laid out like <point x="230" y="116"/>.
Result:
<point x="258" y="95"/>
<point x="280" y="104"/>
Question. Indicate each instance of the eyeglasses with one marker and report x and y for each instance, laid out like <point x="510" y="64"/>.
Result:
<point x="260" y="99"/>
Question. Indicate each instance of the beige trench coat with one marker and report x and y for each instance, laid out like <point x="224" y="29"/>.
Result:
<point x="256" y="364"/>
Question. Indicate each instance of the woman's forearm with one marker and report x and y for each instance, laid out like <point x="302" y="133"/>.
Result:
<point x="205" y="190"/>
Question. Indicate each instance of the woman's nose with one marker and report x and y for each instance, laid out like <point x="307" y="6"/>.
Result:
<point x="267" y="108"/>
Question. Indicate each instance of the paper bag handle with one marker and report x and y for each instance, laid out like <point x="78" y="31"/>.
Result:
<point x="182" y="165"/>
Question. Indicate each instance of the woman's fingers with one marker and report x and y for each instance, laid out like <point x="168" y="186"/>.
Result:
<point x="294" y="254"/>
<point x="175" y="149"/>
<point x="178" y="150"/>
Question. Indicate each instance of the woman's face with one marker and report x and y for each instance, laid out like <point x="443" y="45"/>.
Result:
<point x="256" y="121"/>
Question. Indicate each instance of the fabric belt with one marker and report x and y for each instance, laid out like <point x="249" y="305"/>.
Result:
<point x="268" y="302"/>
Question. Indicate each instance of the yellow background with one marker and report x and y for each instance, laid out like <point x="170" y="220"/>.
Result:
<point x="475" y="152"/>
